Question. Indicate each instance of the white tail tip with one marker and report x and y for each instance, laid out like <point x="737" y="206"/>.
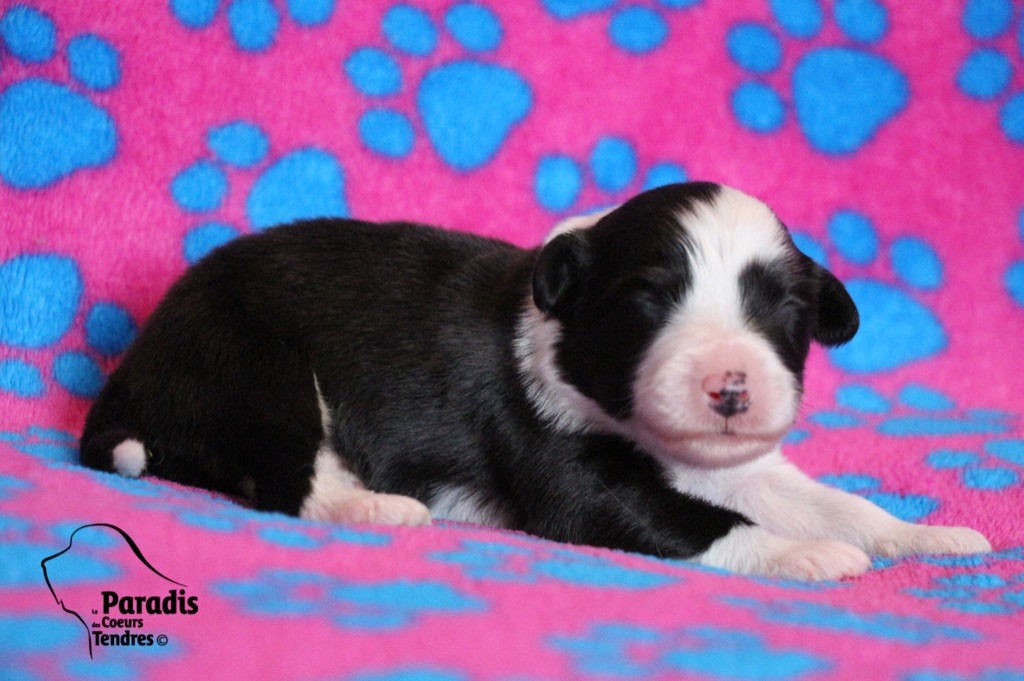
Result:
<point x="130" y="458"/>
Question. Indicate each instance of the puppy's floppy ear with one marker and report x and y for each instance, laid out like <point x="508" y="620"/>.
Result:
<point x="560" y="273"/>
<point x="838" y="319"/>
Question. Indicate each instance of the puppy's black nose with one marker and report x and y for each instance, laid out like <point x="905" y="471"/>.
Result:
<point x="727" y="393"/>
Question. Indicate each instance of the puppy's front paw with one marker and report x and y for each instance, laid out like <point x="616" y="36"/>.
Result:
<point x="911" y="539"/>
<point x="753" y="550"/>
<point x="819" y="560"/>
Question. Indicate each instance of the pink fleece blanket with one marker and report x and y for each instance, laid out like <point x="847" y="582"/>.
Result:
<point x="137" y="136"/>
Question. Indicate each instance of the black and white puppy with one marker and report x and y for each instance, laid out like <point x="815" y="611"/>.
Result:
<point x="625" y="385"/>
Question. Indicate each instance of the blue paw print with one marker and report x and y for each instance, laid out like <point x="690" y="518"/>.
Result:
<point x="51" y="445"/>
<point x="888" y="626"/>
<point x="909" y="507"/>
<point x="467" y="106"/>
<point x="214" y="515"/>
<point x="291" y="532"/>
<point x="253" y="23"/>
<point x="558" y="181"/>
<point x="510" y="563"/>
<point x="1014" y="277"/>
<point x="841" y="94"/>
<point x="412" y="674"/>
<point x="30" y="638"/>
<point x="26" y="543"/>
<point x="989" y="674"/>
<point x="896" y="328"/>
<point x="144" y="487"/>
<point x="967" y="588"/>
<point x="58" y="448"/>
<point x="628" y="650"/>
<point x="45" y="646"/>
<point x="48" y="130"/>
<point x="304" y="183"/>
<point x="917" y="410"/>
<point x="40" y="297"/>
<point x="1000" y="466"/>
<point x="987" y="72"/>
<point x="379" y="606"/>
<point x="10" y="486"/>
<point x="634" y="29"/>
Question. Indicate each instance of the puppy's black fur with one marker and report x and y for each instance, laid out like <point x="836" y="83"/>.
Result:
<point x="409" y="332"/>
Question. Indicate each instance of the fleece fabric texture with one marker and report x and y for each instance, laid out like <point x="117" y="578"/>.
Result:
<point x="137" y="136"/>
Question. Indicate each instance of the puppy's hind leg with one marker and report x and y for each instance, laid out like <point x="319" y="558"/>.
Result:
<point x="336" y="495"/>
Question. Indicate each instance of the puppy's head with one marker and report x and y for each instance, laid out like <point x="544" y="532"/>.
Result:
<point x="682" y="320"/>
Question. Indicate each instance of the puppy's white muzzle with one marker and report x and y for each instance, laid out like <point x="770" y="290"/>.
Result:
<point x="713" y="402"/>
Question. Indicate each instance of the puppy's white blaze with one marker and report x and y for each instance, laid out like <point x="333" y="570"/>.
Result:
<point x="576" y="222"/>
<point x="723" y="238"/>
<point x="732" y="231"/>
<point x="129" y="458"/>
<point x="459" y="504"/>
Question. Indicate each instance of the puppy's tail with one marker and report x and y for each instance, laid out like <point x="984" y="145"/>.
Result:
<point x="114" y="450"/>
<point x="108" y="443"/>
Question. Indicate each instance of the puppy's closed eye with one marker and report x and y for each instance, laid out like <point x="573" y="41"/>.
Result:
<point x="764" y="290"/>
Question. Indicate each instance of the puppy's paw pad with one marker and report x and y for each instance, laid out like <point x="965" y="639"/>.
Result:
<point x="819" y="561"/>
<point x="383" y="509"/>
<point x="929" y="539"/>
